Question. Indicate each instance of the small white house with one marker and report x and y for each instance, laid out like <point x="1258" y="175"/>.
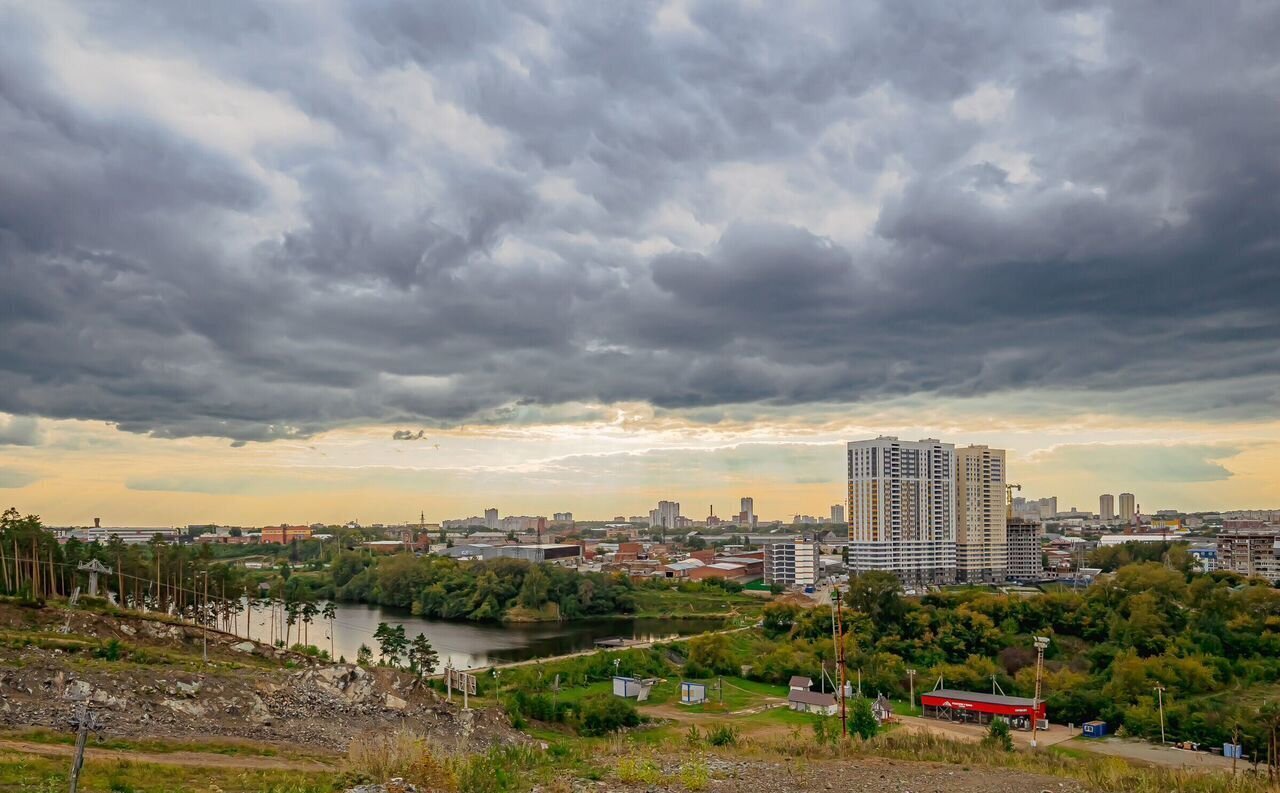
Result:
<point x="800" y="683"/>
<point x="812" y="702"/>
<point x="626" y="687"/>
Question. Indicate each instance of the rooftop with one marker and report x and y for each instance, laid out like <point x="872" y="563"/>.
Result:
<point x="974" y="696"/>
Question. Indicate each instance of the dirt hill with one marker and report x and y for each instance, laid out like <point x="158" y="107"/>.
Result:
<point x="145" y="677"/>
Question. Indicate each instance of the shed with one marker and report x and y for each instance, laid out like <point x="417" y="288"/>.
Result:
<point x="1095" y="729"/>
<point x="812" y="702"/>
<point x="626" y="687"/>
<point x="800" y="683"/>
<point x="692" y="693"/>
<point x="882" y="709"/>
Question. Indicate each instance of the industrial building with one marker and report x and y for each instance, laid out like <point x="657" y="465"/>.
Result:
<point x="979" y="708"/>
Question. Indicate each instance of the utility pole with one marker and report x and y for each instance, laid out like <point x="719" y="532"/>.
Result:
<point x="1041" y="643"/>
<point x="911" y="676"/>
<point x="844" y="718"/>
<point x="84" y="722"/>
<point x="1160" y="697"/>
<point x="204" y="620"/>
<point x="1235" y="747"/>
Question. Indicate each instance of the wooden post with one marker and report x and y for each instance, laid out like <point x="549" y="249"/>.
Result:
<point x="844" y="716"/>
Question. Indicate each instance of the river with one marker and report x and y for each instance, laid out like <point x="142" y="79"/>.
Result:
<point x="473" y="644"/>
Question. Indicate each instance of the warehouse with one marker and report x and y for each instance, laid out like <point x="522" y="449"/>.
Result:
<point x="975" y="708"/>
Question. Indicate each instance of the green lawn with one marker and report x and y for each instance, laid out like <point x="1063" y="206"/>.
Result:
<point x="706" y="603"/>
<point x="738" y="694"/>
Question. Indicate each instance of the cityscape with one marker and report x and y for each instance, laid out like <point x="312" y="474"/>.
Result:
<point x="676" y="396"/>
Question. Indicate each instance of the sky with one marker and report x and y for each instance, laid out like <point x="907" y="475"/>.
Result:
<point x="323" y="261"/>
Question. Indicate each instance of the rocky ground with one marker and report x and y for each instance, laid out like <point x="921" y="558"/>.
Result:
<point x="847" y="776"/>
<point x="248" y="690"/>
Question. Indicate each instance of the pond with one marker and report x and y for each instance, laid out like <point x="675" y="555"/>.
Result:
<point x="473" y="644"/>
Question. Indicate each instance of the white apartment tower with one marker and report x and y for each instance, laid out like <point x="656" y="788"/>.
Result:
<point x="1107" y="508"/>
<point x="837" y="513"/>
<point x="491" y="518"/>
<point x="791" y="562"/>
<point x="1126" y="507"/>
<point x="981" y="538"/>
<point x="902" y="515"/>
<point x="666" y="515"/>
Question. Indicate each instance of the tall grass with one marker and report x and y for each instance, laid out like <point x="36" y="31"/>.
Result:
<point x="406" y="755"/>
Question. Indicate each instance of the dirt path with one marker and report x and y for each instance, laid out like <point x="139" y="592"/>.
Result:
<point x="189" y="759"/>
<point x="1157" y="755"/>
<point x="1057" y="733"/>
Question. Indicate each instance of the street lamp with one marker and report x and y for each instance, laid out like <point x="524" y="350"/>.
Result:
<point x="1042" y="642"/>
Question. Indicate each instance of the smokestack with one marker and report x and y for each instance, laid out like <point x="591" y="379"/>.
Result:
<point x="97" y="523"/>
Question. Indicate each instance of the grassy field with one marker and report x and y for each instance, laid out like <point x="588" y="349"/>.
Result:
<point x="24" y="772"/>
<point x="224" y="746"/>
<point x="710" y="603"/>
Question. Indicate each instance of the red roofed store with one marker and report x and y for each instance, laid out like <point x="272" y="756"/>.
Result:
<point x="975" y="708"/>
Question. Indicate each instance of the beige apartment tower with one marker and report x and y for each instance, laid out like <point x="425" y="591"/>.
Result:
<point x="1107" y="508"/>
<point x="982" y="553"/>
<point x="1126" y="507"/>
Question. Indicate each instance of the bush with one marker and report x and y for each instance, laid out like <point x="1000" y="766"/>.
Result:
<point x="862" y="722"/>
<point x="635" y="769"/>
<point x="694" y="775"/>
<point x="722" y="735"/>
<point x="600" y="714"/>
<point x="999" y="735"/>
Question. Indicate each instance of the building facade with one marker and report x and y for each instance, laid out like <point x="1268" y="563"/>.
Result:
<point x="1250" y="552"/>
<point x="284" y="534"/>
<point x="667" y="514"/>
<point x="1024" y="538"/>
<point x="747" y="514"/>
<point x="837" y="513"/>
<point x="1127" y="507"/>
<point x="902" y="516"/>
<point x="791" y="563"/>
<point x="491" y="518"/>
<point x="981" y="546"/>
<point x="1107" y="508"/>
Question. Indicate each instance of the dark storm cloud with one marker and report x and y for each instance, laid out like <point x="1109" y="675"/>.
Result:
<point x="271" y="220"/>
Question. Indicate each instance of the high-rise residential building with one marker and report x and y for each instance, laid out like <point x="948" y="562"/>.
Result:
<point x="1023" y="541"/>
<point x="1107" y="508"/>
<point x="791" y="562"/>
<point x="491" y="518"/>
<point x="902" y="514"/>
<point x="562" y="517"/>
<point x="1126" y="507"/>
<point x="837" y="513"/>
<point x="1249" y="550"/>
<point x="981" y="552"/>
<point x="747" y="515"/>
<point x="1047" y="507"/>
<point x="666" y="515"/>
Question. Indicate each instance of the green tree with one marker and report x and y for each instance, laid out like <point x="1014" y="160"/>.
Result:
<point x="364" y="656"/>
<point x="878" y="595"/>
<point x="422" y="656"/>
<point x="862" y="721"/>
<point x="533" y="592"/>
<point x="392" y="643"/>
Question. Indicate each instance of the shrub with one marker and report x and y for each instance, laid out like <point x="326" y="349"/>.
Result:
<point x="637" y="769"/>
<point x="862" y="722"/>
<point x="382" y="756"/>
<point x="604" y="713"/>
<point x="999" y="736"/>
<point x="112" y="650"/>
<point x="694" y="776"/>
<point x="722" y="735"/>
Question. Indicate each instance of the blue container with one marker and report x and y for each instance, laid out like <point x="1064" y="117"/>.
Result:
<point x="1095" y="729"/>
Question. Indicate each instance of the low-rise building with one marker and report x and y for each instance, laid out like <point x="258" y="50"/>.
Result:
<point x="791" y="563"/>
<point x="284" y="534"/>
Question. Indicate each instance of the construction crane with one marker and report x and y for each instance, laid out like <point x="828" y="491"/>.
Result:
<point x="1008" y="500"/>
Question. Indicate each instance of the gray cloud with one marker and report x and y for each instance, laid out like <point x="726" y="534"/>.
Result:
<point x="272" y="221"/>
<point x="13" y="478"/>
<point x="19" y="431"/>
<point x="1184" y="463"/>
